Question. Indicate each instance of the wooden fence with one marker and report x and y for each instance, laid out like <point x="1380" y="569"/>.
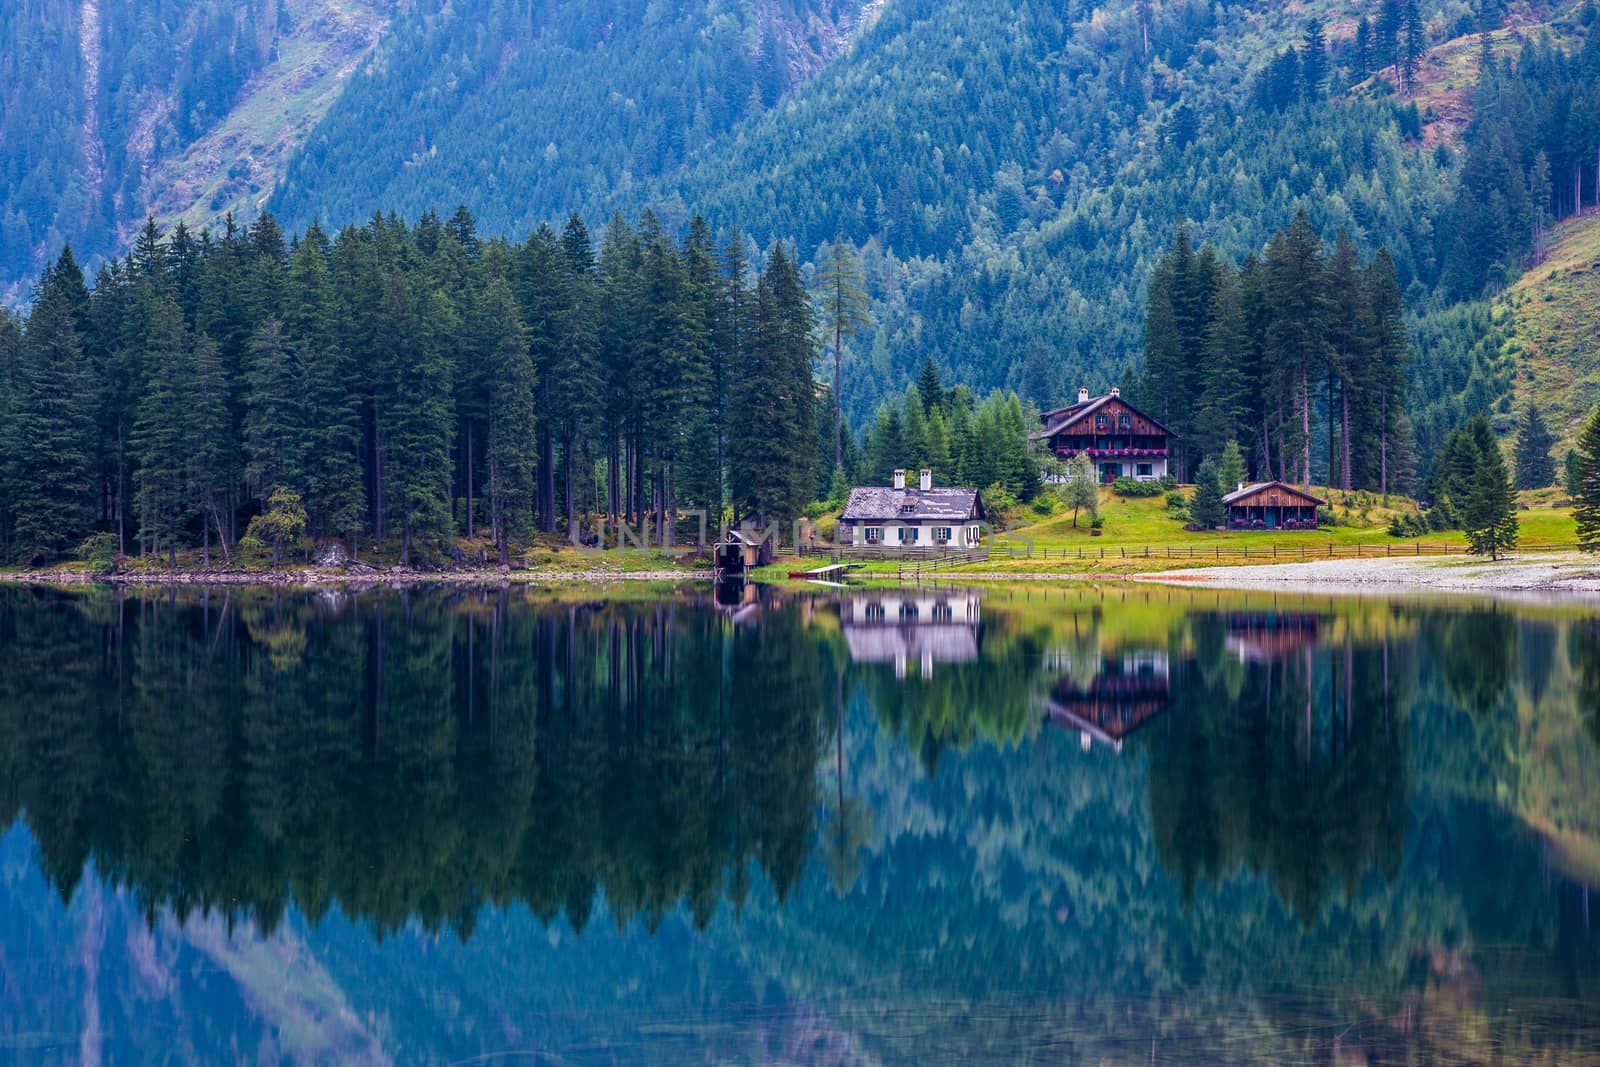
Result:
<point x="1265" y="553"/>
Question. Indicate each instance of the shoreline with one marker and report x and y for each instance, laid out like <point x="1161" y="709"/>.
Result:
<point x="1567" y="573"/>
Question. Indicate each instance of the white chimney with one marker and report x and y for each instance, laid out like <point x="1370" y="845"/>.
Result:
<point x="1083" y="395"/>
<point x="1115" y="391"/>
<point x="899" y="479"/>
<point x="1241" y="487"/>
<point x="927" y="479"/>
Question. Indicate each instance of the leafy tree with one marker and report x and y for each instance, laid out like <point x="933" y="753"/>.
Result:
<point x="1081" y="491"/>
<point x="1206" y="509"/>
<point x="280" y="524"/>
<point x="1586" y="497"/>
<point x="1536" y="467"/>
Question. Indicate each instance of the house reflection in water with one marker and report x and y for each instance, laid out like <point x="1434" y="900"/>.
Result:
<point x="1266" y="636"/>
<point x="1127" y="691"/>
<point x="896" y="627"/>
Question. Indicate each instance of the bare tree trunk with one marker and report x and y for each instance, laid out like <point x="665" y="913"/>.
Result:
<point x="1344" y="435"/>
<point x="1305" y="425"/>
<point x="1383" y="447"/>
<point x="567" y="471"/>
<point x="471" y="529"/>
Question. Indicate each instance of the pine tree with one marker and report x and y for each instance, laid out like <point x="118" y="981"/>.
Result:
<point x="10" y="447"/>
<point x="930" y="389"/>
<point x="1586" y="496"/>
<point x="1314" y="61"/>
<point x="1571" y="480"/>
<point x="512" y="453"/>
<point x="53" y="433"/>
<point x="419" y="412"/>
<point x="844" y="312"/>
<point x="331" y="434"/>
<point x="210" y="465"/>
<point x="274" y="423"/>
<point x="161" y="431"/>
<point x="1488" y="514"/>
<point x="1230" y="469"/>
<point x="771" y="418"/>
<point x="1536" y="467"/>
<point x="1206" y="509"/>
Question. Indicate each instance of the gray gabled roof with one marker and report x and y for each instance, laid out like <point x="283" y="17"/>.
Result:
<point x="884" y="504"/>
<point x="1062" y="418"/>
<point x="1240" y="494"/>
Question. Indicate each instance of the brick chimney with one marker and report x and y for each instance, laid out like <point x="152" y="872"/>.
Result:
<point x="927" y="479"/>
<point x="899" y="479"/>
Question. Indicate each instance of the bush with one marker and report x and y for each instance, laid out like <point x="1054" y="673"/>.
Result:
<point x="1128" y="487"/>
<point x="1177" y="500"/>
<point x="1326" y="517"/>
<point x="99" y="553"/>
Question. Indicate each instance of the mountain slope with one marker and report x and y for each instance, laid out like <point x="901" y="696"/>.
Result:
<point x="525" y="112"/>
<point x="1555" y="336"/>
<point x="180" y="107"/>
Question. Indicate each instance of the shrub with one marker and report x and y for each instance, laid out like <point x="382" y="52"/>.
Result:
<point x="1177" y="500"/>
<point x="1326" y="517"/>
<point x="99" y="553"/>
<point x="1128" y="487"/>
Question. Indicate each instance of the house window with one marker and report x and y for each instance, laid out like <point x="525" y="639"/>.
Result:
<point x="1145" y="470"/>
<point x="1101" y="422"/>
<point x="875" y="612"/>
<point x="1124" y="422"/>
<point x="874" y="534"/>
<point x="974" y="535"/>
<point x="908" y="533"/>
<point x="941" y="534"/>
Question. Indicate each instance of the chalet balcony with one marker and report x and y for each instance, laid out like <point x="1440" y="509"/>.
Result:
<point x="1066" y="452"/>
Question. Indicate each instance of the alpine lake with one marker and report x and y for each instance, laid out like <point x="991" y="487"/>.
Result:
<point x="1047" y="824"/>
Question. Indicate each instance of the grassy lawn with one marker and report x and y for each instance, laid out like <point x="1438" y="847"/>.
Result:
<point x="1556" y="307"/>
<point x="1143" y="535"/>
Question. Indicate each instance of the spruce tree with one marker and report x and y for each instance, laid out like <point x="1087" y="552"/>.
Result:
<point x="1536" y="467"/>
<point x="10" y="357"/>
<point x="210" y="466"/>
<point x="930" y="390"/>
<point x="1586" y="495"/>
<point x="162" y="431"/>
<point x="1488" y="514"/>
<point x="1206" y="509"/>
<point x="1230" y="469"/>
<point x="512" y="453"/>
<point x="53" y="433"/>
<point x="419" y="412"/>
<point x="844" y="311"/>
<point x="275" y="421"/>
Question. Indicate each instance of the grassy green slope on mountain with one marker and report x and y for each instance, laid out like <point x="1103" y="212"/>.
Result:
<point x="1555" y="308"/>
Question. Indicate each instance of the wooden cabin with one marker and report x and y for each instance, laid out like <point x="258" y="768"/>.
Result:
<point x="1121" y="440"/>
<point x="924" y="518"/>
<point x="739" y="552"/>
<point x="1272" y="506"/>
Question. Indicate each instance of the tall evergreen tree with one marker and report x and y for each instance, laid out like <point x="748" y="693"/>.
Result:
<point x="1536" y="467"/>
<point x="419" y="412"/>
<point x="844" y="311"/>
<point x="772" y="401"/>
<point x="52" y="455"/>
<point x="512" y="454"/>
<point x="162" y="429"/>
<point x="1586" y="498"/>
<point x="1488" y="514"/>
<point x="210" y="467"/>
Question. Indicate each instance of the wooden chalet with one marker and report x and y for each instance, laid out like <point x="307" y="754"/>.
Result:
<point x="1272" y="506"/>
<point x="1125" y="694"/>
<point x="924" y="518"/>
<point x="1121" y="440"/>
<point x="1268" y="636"/>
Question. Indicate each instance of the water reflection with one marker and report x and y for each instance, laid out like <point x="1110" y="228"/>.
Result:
<point x="1103" y="824"/>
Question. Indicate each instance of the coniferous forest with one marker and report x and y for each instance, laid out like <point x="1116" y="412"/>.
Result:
<point x="403" y="385"/>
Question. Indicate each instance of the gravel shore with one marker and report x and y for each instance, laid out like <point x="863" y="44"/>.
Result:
<point x="1566" y="572"/>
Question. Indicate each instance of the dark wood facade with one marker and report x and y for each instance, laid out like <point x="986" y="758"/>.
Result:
<point x="1272" y="506"/>
<point x="1119" y="439"/>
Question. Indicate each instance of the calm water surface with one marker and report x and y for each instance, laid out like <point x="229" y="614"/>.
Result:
<point x="1013" y="826"/>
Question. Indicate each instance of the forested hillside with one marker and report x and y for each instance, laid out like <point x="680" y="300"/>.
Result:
<point x="183" y="107"/>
